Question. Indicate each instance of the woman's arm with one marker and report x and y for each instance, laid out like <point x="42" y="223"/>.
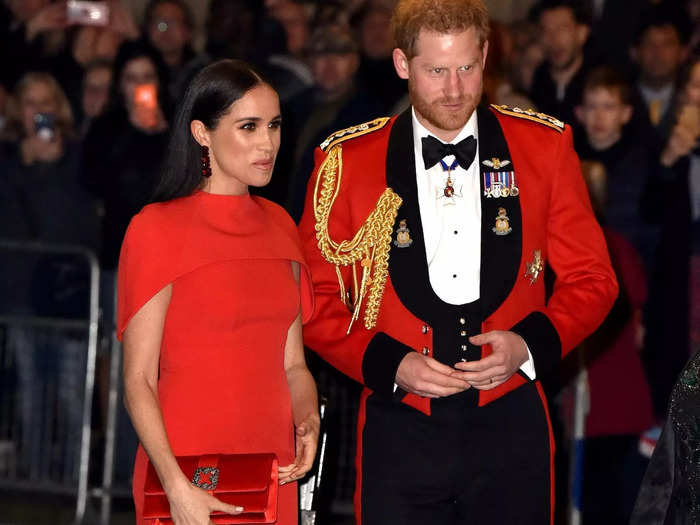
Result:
<point x="189" y="505"/>
<point x="304" y="401"/>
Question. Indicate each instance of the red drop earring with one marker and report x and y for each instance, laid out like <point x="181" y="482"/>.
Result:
<point x="206" y="167"/>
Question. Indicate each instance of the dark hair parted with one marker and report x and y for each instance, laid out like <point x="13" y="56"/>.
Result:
<point x="665" y="15"/>
<point x="439" y="16"/>
<point x="580" y="12"/>
<point x="609" y="78"/>
<point x="208" y="98"/>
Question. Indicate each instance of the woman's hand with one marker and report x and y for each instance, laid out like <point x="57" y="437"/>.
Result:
<point x="51" y="17"/>
<point x="121" y="21"/>
<point x="35" y="149"/>
<point x="683" y="140"/>
<point x="190" y="505"/>
<point x="306" y="443"/>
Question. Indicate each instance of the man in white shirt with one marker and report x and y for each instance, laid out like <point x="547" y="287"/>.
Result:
<point x="427" y="236"/>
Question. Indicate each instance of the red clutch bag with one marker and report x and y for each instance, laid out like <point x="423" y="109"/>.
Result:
<point x="247" y="480"/>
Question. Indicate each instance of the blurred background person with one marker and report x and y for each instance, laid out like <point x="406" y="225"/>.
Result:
<point x="295" y="17"/>
<point x="41" y="200"/>
<point x="526" y="55"/>
<point x="499" y="86"/>
<point x="169" y="27"/>
<point x="334" y="102"/>
<point x="678" y="279"/>
<point x="605" y="110"/>
<point x="290" y="73"/>
<point x="97" y="80"/>
<point x="124" y="147"/>
<point x="32" y="29"/>
<point x="612" y="465"/>
<point x="556" y="87"/>
<point x="658" y="52"/>
<point x="43" y="38"/>
<point x="376" y="75"/>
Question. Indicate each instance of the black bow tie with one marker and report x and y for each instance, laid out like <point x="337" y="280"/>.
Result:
<point x="434" y="151"/>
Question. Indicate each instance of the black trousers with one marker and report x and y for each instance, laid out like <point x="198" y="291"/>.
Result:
<point x="462" y="465"/>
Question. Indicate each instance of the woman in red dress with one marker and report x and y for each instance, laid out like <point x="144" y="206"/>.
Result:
<point x="212" y="294"/>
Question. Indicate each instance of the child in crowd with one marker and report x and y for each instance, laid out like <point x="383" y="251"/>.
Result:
<point x="605" y="109"/>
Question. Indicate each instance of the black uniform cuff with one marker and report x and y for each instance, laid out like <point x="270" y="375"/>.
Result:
<point x="542" y="339"/>
<point x="380" y="362"/>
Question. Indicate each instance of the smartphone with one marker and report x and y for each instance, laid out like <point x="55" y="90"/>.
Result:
<point x="45" y="126"/>
<point x="85" y="13"/>
<point x="146" y="104"/>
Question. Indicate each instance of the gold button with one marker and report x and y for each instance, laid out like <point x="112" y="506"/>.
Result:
<point x="426" y="350"/>
<point x="425" y="329"/>
<point x="462" y="320"/>
<point x="464" y="348"/>
<point x="463" y="333"/>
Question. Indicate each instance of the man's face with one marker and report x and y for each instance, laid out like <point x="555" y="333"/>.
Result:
<point x="562" y="36"/>
<point x="660" y="54"/>
<point x="375" y="40"/>
<point x="603" y="115"/>
<point x="293" y="18"/>
<point x="445" y="79"/>
<point x="168" y="30"/>
<point x="333" y="72"/>
<point x="96" y="91"/>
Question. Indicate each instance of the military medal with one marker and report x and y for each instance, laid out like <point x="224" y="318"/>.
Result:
<point x="403" y="235"/>
<point x="534" y="268"/>
<point x="500" y="183"/>
<point x="502" y="226"/>
<point x="449" y="191"/>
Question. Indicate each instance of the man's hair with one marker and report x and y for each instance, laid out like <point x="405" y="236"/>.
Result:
<point x="579" y="11"/>
<point x="439" y="16"/>
<point x="664" y="15"/>
<point x="606" y="77"/>
<point x="181" y="4"/>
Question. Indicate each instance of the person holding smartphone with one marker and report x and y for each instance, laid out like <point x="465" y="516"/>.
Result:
<point x="674" y="329"/>
<point x="41" y="200"/>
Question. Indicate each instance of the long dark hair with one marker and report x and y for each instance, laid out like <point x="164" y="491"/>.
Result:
<point x="208" y="98"/>
<point x="129" y="51"/>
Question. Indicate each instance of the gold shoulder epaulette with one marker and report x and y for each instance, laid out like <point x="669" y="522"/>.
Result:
<point x="531" y="114"/>
<point x="353" y="131"/>
<point x="368" y="248"/>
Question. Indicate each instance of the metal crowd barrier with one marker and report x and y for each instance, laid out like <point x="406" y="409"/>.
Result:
<point x="28" y="322"/>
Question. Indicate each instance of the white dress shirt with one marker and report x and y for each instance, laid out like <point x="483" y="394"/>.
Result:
<point x="452" y="225"/>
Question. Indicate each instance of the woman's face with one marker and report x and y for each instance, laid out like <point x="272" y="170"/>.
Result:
<point x="244" y="144"/>
<point x="692" y="88"/>
<point x="138" y="71"/>
<point x="36" y="98"/>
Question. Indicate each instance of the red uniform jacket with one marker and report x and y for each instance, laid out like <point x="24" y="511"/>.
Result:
<point x="550" y="215"/>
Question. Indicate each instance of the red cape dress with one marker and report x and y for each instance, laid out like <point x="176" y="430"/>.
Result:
<point x="222" y="385"/>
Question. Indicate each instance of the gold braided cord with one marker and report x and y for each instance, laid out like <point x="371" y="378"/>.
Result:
<point x="369" y="246"/>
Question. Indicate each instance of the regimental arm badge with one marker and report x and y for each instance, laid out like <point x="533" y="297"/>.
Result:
<point x="502" y="226"/>
<point x="403" y="235"/>
<point x="534" y="268"/>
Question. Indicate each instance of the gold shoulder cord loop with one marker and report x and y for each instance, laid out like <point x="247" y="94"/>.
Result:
<point x="369" y="246"/>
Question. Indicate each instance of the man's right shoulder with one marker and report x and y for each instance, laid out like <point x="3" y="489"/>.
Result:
<point x="354" y="132"/>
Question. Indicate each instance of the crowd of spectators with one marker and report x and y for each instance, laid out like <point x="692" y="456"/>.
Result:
<point x="85" y="111"/>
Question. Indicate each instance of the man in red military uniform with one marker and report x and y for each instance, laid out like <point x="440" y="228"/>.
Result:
<point x="427" y="235"/>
